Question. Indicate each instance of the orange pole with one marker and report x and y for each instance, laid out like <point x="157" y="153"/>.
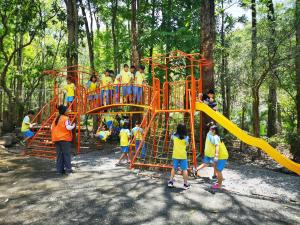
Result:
<point x="201" y="115"/>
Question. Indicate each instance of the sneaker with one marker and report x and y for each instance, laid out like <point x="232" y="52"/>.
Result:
<point x="186" y="186"/>
<point x="214" y="177"/>
<point x="170" y="183"/>
<point x="215" y="186"/>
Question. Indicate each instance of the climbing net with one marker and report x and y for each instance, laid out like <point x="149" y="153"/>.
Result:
<point x="158" y="145"/>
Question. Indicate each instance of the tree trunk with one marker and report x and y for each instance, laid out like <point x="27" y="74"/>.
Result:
<point x="255" y="112"/>
<point x="72" y="26"/>
<point x="254" y="89"/>
<point x="152" y="28"/>
<point x="208" y="37"/>
<point x="114" y="32"/>
<point x="89" y="37"/>
<point x="297" y="62"/>
<point x="134" y="35"/>
<point x="272" y="99"/>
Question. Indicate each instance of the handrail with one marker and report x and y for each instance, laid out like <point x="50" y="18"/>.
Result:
<point x="43" y="109"/>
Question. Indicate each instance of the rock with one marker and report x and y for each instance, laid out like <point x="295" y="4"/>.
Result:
<point x="6" y="140"/>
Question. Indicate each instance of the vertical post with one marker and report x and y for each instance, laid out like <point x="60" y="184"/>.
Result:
<point x="193" y="139"/>
<point x="78" y="133"/>
<point x="201" y="114"/>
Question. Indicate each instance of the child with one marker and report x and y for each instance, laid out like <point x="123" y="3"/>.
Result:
<point x="180" y="141"/>
<point x="102" y="133"/>
<point x="105" y="82"/>
<point x="209" y="152"/>
<point x="26" y="125"/>
<point x="220" y="157"/>
<point x="126" y="78"/>
<point x="124" y="143"/>
<point x="139" y="81"/>
<point x="117" y="83"/>
<point x="92" y="85"/>
<point x="108" y="121"/>
<point x="209" y="99"/>
<point x="137" y="132"/>
<point x="70" y="91"/>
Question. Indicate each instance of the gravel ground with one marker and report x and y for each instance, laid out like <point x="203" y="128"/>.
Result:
<point x="100" y="193"/>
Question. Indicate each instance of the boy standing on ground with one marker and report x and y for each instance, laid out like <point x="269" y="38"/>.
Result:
<point x="124" y="143"/>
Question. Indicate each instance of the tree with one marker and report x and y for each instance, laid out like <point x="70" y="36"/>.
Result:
<point x="134" y="36"/>
<point x="25" y="20"/>
<point x="272" y="98"/>
<point x="207" y="40"/>
<point x="297" y="63"/>
<point x="72" y="26"/>
<point x="89" y="33"/>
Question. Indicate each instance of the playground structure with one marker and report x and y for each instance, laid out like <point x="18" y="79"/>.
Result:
<point x="171" y="98"/>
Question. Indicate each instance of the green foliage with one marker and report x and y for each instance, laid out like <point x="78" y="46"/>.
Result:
<point x="294" y="140"/>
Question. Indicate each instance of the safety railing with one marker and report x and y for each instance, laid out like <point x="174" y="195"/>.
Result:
<point x="44" y="113"/>
<point x="116" y="95"/>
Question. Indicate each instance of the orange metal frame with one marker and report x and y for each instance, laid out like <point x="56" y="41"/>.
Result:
<point x="152" y="95"/>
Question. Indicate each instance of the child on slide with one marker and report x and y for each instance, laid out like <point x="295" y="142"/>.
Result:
<point x="180" y="142"/>
<point x="209" y="99"/>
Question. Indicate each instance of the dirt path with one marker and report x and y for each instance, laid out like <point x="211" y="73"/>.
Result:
<point x="100" y="193"/>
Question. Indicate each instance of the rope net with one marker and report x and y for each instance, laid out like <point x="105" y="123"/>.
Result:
<point x="157" y="149"/>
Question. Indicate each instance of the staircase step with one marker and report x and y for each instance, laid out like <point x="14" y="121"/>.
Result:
<point x="41" y="156"/>
<point x="51" y="152"/>
<point x="36" y="145"/>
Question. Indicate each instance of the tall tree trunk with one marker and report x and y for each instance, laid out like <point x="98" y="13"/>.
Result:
<point x="153" y="2"/>
<point x="114" y="32"/>
<point x="254" y="89"/>
<point x="223" y="63"/>
<point x="297" y="62"/>
<point x="19" y="108"/>
<point x="72" y="26"/>
<point x="207" y="43"/>
<point x="89" y="37"/>
<point x="272" y="99"/>
<point x="134" y="35"/>
<point x="255" y="112"/>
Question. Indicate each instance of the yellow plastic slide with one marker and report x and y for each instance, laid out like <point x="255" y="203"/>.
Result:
<point x="243" y="136"/>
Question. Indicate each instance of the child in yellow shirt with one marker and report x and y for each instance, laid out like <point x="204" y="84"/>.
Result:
<point x="106" y="81"/>
<point x="126" y="79"/>
<point x="180" y="142"/>
<point x="124" y="143"/>
<point x="139" y="80"/>
<point x="92" y="86"/>
<point x="69" y="89"/>
<point x="103" y="133"/>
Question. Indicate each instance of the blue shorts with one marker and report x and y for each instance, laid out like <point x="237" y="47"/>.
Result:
<point x="92" y="97"/>
<point x="221" y="164"/>
<point x="28" y="134"/>
<point x="127" y="90"/>
<point x="183" y="163"/>
<point x="125" y="149"/>
<point x="101" y="137"/>
<point x="109" y="124"/>
<point x="137" y="144"/>
<point x="208" y="160"/>
<point x="70" y="98"/>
